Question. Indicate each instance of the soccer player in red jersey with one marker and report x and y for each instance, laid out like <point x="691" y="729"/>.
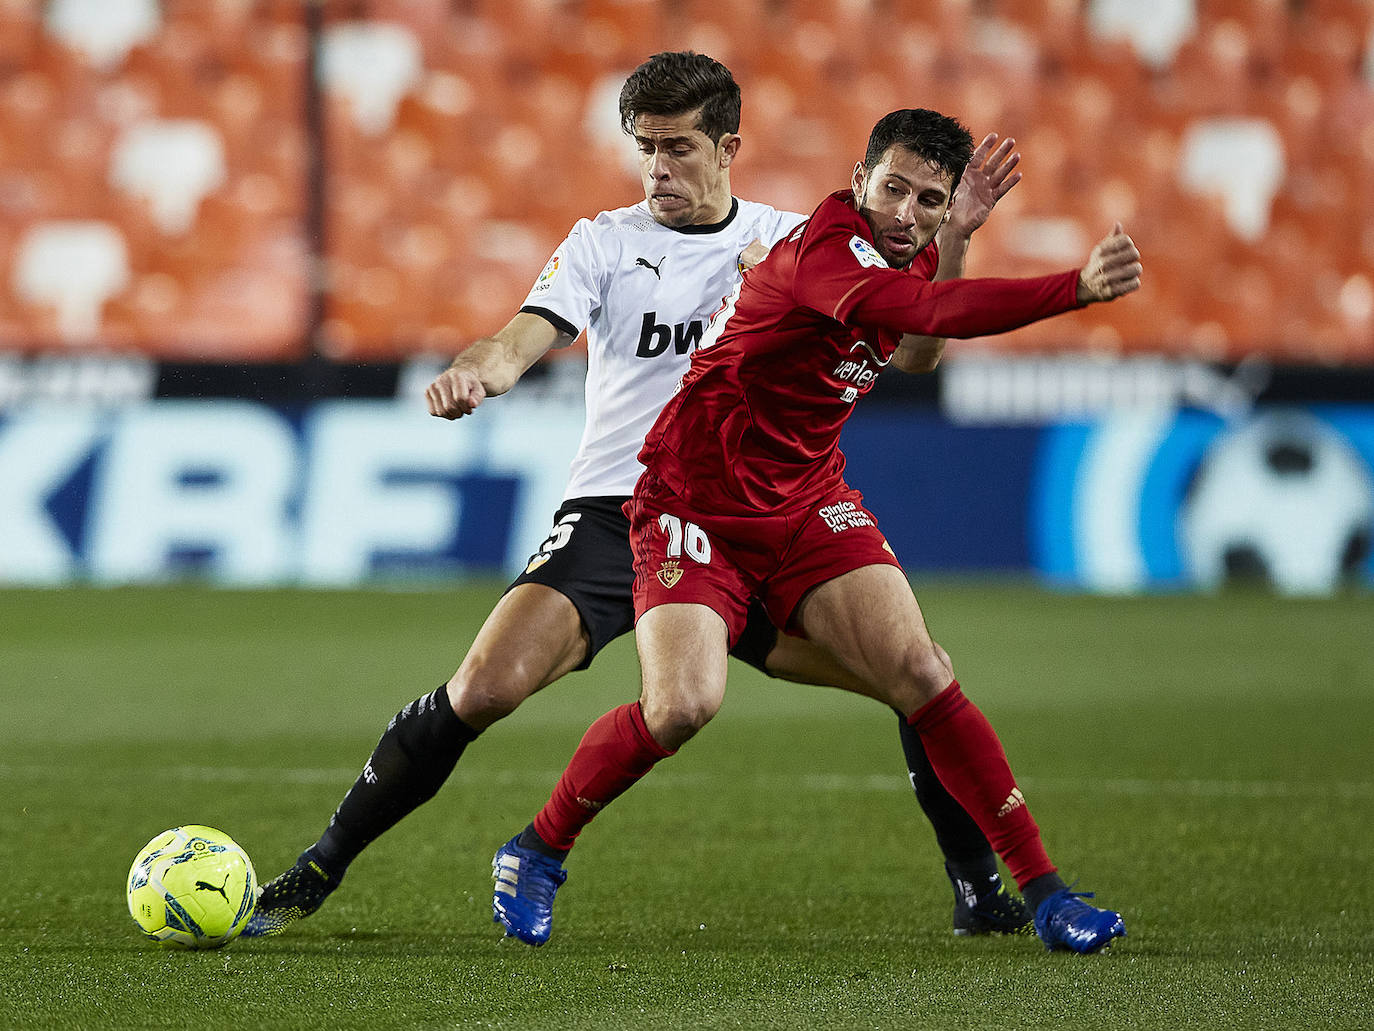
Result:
<point x="743" y="498"/>
<point x="642" y="281"/>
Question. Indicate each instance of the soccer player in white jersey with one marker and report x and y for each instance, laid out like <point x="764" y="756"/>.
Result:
<point x="643" y="282"/>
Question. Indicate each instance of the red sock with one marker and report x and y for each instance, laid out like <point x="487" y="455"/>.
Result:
<point x="970" y="762"/>
<point x="615" y="752"/>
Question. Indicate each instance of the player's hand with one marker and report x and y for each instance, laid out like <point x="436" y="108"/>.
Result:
<point x="456" y="392"/>
<point x="1113" y="269"/>
<point x="753" y="254"/>
<point x="989" y="177"/>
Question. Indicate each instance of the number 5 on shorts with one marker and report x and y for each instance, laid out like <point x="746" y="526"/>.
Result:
<point x="688" y="537"/>
<point x="562" y="533"/>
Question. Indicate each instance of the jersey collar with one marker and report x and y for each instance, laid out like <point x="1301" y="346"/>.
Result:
<point x="714" y="227"/>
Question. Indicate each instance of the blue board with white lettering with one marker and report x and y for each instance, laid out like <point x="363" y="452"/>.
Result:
<point x="350" y="492"/>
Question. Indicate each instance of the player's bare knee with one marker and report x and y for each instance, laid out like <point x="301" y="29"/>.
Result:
<point x="674" y="720"/>
<point x="481" y="694"/>
<point x="943" y="656"/>
<point x="932" y="674"/>
<point x="926" y="672"/>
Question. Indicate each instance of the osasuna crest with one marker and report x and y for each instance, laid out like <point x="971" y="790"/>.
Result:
<point x="866" y="253"/>
<point x="669" y="574"/>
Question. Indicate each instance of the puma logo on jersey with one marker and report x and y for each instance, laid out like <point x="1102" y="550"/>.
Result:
<point x="652" y="268"/>
<point x="655" y="338"/>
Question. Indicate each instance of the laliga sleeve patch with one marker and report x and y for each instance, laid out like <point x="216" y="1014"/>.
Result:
<point x="866" y="253"/>
<point x="546" y="278"/>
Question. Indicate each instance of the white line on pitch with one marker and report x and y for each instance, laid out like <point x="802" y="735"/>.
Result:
<point x="834" y="782"/>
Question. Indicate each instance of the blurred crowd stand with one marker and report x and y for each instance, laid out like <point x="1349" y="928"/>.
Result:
<point x="158" y="191"/>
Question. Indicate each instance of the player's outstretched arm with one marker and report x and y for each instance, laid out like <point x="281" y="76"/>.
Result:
<point x="990" y="176"/>
<point x="491" y="366"/>
<point x="1113" y="269"/>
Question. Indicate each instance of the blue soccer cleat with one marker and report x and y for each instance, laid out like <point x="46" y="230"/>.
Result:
<point x="526" y="882"/>
<point x="1063" y="921"/>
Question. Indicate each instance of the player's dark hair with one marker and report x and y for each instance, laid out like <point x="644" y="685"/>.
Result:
<point x="931" y="136"/>
<point x="676" y="82"/>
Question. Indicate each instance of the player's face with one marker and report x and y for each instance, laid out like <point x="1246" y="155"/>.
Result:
<point x="904" y="200"/>
<point x="686" y="175"/>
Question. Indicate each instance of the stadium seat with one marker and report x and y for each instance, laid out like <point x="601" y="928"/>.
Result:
<point x="1232" y="129"/>
<point x="103" y="30"/>
<point x="1055" y="241"/>
<point x="171" y="165"/>
<point x="1155" y="30"/>
<point x="373" y="64"/>
<point x="73" y="267"/>
<point x="20" y="31"/>
<point x="1242" y="161"/>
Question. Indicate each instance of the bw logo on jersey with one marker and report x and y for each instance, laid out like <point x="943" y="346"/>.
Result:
<point x="654" y="337"/>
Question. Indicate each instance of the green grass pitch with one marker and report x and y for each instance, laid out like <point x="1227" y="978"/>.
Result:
<point x="1202" y="763"/>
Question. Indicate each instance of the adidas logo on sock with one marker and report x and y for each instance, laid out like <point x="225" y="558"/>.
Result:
<point x="1014" y="801"/>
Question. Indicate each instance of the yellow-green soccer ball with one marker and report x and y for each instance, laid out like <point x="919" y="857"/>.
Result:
<point x="192" y="887"/>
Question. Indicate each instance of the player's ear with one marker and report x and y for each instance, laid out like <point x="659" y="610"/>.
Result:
<point x="729" y="147"/>
<point x="858" y="178"/>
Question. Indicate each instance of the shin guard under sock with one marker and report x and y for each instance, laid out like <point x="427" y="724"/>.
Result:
<point x="965" y="752"/>
<point x="422" y="744"/>
<point x="616" y="751"/>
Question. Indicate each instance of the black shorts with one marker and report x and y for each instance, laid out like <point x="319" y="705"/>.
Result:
<point x="587" y="559"/>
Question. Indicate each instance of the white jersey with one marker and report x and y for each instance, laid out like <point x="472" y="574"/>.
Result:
<point x="644" y="293"/>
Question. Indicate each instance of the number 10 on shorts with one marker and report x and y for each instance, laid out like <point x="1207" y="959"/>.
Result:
<point x="685" y="537"/>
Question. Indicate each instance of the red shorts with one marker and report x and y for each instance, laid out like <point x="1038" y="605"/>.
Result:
<point x="682" y="555"/>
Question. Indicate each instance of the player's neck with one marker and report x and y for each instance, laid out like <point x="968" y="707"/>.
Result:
<point x="716" y="211"/>
<point x="710" y="220"/>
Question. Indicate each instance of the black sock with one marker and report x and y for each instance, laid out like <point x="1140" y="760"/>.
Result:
<point x="530" y="839"/>
<point x="412" y="760"/>
<point x="1039" y="889"/>
<point x="967" y="852"/>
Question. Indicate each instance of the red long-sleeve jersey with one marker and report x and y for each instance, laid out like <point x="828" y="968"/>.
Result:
<point x="755" y="424"/>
